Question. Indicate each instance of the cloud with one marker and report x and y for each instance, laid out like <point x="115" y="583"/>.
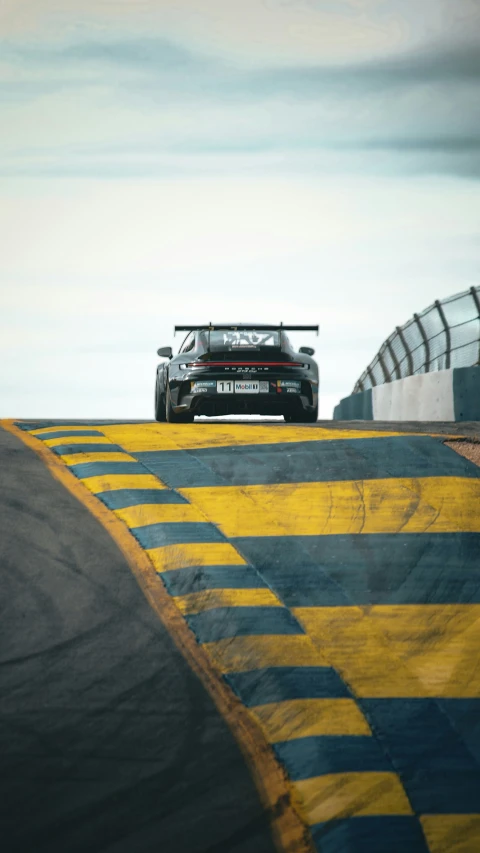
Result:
<point x="146" y="53"/>
<point x="146" y="107"/>
<point x="282" y="30"/>
<point x="443" y="63"/>
<point x="253" y="33"/>
<point x="391" y="160"/>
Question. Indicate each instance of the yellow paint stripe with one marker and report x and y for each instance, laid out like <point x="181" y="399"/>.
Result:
<point x="141" y="514"/>
<point x="197" y="602"/>
<point x="240" y="654"/>
<point x="342" y="795"/>
<point x="112" y="482"/>
<point x="288" y="828"/>
<point x="154" y="436"/>
<point x="296" y="718"/>
<point x="170" y="557"/>
<point x="77" y="439"/>
<point x="80" y="458"/>
<point x="452" y="833"/>
<point x="400" y="650"/>
<point x="433" y="504"/>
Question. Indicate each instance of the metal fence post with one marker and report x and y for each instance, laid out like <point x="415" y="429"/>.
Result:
<point x="372" y="378"/>
<point x="474" y="292"/>
<point x="394" y="358"/>
<point x="448" y="337"/>
<point x="425" y="342"/>
<point x="408" y="352"/>
<point x="381" y="361"/>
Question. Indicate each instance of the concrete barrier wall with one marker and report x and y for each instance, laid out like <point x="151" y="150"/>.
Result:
<point x="443" y="395"/>
<point x="357" y="407"/>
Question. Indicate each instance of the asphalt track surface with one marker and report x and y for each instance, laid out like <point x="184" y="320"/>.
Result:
<point x="108" y="741"/>
<point x="329" y="573"/>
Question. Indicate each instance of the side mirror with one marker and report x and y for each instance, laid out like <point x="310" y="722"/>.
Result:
<point x="307" y="350"/>
<point x="164" y="352"/>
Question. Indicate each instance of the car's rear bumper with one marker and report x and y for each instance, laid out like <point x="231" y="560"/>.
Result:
<point x="287" y="393"/>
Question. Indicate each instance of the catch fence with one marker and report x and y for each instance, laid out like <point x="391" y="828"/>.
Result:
<point x="445" y="335"/>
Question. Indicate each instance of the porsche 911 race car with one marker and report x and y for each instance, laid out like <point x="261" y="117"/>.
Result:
<point x="237" y="369"/>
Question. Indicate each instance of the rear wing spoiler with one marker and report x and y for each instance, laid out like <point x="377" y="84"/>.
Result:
<point x="240" y="327"/>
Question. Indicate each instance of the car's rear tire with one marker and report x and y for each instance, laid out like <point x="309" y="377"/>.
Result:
<point x="172" y="416"/>
<point x="160" y="407"/>
<point x="309" y="417"/>
<point x="302" y="417"/>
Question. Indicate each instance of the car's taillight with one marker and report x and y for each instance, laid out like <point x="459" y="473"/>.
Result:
<point x="245" y="364"/>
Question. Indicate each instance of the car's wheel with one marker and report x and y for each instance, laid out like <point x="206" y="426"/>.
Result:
<point x="302" y="417"/>
<point x="160" y="407"/>
<point x="309" y="417"/>
<point x="172" y="416"/>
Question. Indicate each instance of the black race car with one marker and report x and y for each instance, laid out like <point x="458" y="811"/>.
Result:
<point x="237" y="369"/>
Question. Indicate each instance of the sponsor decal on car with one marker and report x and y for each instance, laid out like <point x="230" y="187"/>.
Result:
<point x="244" y="387"/>
<point x="289" y="386"/>
<point x="202" y="386"/>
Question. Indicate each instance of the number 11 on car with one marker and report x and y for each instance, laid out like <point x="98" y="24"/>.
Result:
<point x="225" y="386"/>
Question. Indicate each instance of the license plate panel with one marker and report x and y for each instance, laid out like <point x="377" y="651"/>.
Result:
<point x="225" y="386"/>
<point x="241" y="386"/>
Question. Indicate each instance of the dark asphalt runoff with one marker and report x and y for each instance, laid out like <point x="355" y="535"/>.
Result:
<point x="108" y="742"/>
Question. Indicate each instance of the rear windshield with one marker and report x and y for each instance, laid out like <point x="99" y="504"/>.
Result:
<point x="240" y="340"/>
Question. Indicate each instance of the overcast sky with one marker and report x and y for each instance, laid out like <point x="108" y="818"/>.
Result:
<point x="167" y="162"/>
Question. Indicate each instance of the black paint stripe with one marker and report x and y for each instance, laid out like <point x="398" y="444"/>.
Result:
<point x="439" y="772"/>
<point x="318" y="756"/>
<point x="27" y="426"/>
<point x="99" y="469"/>
<point x="121" y="498"/>
<point x="370" y="834"/>
<point x="176" y="533"/>
<point x="223" y="622"/>
<point x="278" y="683"/>
<point x="198" y="578"/>
<point x="68" y="433"/>
<point x="309" y="461"/>
<point x="368" y="568"/>
<point x="64" y="449"/>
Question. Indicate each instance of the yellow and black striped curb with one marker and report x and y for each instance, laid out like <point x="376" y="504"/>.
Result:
<point x="332" y="580"/>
